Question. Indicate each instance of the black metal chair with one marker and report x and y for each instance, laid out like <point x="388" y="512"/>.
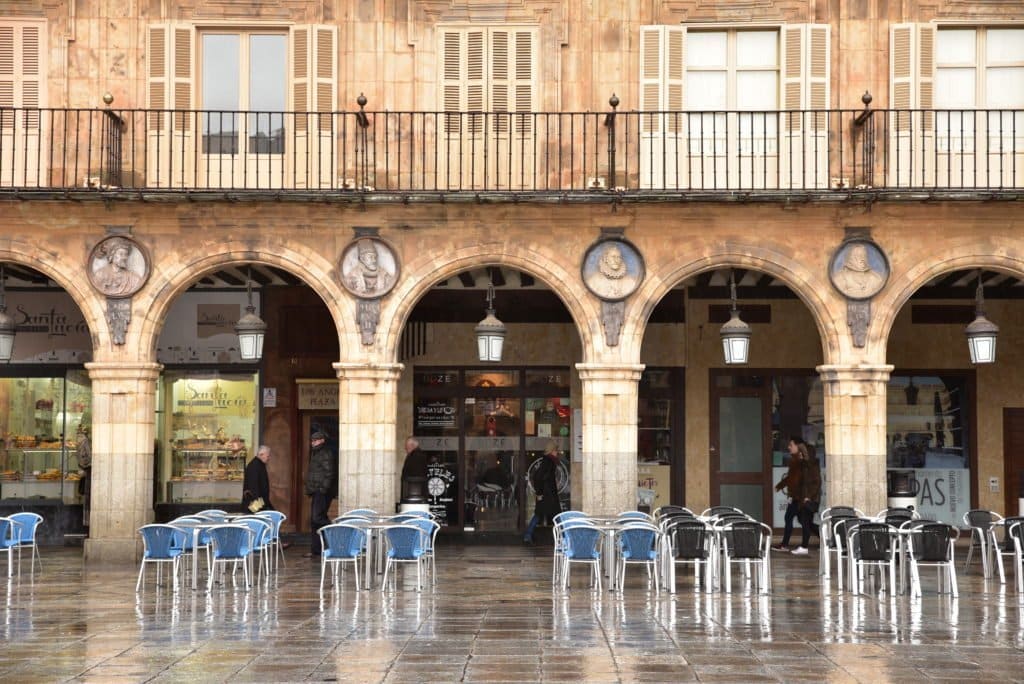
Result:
<point x="980" y="523"/>
<point x="691" y="542"/>
<point x="932" y="544"/>
<point x="748" y="541"/>
<point x="872" y="545"/>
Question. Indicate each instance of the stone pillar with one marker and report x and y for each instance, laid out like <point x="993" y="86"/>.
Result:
<point x="368" y="412"/>
<point x="123" y="434"/>
<point x="855" y="442"/>
<point x="609" y="437"/>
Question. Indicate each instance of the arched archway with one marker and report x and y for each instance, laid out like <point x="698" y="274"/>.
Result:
<point x="713" y="433"/>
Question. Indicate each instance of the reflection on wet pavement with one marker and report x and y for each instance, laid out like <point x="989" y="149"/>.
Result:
<point x="493" y="617"/>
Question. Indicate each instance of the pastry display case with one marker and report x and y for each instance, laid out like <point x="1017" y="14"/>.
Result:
<point x="208" y="429"/>
<point x="37" y="461"/>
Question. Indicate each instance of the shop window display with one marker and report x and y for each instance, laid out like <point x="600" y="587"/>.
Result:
<point x="208" y="435"/>
<point x="42" y="422"/>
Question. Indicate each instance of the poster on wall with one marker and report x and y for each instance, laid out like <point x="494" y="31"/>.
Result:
<point x="200" y="328"/>
<point x="442" y="493"/>
<point x="944" y="494"/>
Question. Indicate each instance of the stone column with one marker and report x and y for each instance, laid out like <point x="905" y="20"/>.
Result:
<point x="855" y="442"/>
<point x="609" y="437"/>
<point x="368" y="412"/>
<point x="123" y="434"/>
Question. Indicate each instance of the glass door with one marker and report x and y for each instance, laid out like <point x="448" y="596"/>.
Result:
<point x="492" y="467"/>
<point x="243" y="98"/>
<point x="738" y="455"/>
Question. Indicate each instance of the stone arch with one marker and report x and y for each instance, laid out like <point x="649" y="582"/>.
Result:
<point x="795" y="275"/>
<point x="71" y="277"/>
<point x="167" y="283"/>
<point x="995" y="254"/>
<point x="427" y="270"/>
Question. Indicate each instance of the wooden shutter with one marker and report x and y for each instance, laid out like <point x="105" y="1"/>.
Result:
<point x="475" y="99"/>
<point x="326" y="61"/>
<point x="453" y="67"/>
<point x="184" y="66"/>
<point x="926" y="72"/>
<point x="524" y="73"/>
<point x="901" y="72"/>
<point x="674" y="69"/>
<point x="22" y="71"/>
<point x="818" y="71"/>
<point x="651" y="41"/>
<point x="501" y="82"/>
<point x="156" y="72"/>
<point x="300" y="75"/>
<point x="792" y="77"/>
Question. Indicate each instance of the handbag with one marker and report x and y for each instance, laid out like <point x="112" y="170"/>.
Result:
<point x="257" y="505"/>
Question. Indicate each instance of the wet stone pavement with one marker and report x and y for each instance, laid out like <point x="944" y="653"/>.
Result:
<point x="493" y="617"/>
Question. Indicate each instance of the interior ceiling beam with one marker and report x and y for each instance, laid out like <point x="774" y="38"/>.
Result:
<point x="765" y="280"/>
<point x="526" y="280"/>
<point x="257" y="274"/>
<point x="228" y="278"/>
<point x="497" y="276"/>
<point x="467" y="279"/>
<point x="285" y="276"/>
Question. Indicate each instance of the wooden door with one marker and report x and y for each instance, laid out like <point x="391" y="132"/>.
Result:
<point x="1013" y="458"/>
<point x="311" y="422"/>
<point x="740" y="450"/>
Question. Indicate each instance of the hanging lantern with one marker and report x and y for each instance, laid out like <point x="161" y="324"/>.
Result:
<point x="735" y="332"/>
<point x="250" y="330"/>
<point x="490" y="332"/>
<point x="981" y="333"/>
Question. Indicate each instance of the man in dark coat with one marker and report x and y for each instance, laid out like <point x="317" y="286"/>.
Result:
<point x="545" y="486"/>
<point x="321" y="486"/>
<point x="414" y="470"/>
<point x="257" y="483"/>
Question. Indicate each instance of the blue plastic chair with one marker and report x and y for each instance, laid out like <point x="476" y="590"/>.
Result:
<point x="341" y="543"/>
<point x="25" y="531"/>
<point x="275" y="518"/>
<point x="162" y="544"/>
<point x="230" y="544"/>
<point x="261" y="530"/>
<point x="639" y="544"/>
<point x="9" y="542"/>
<point x="558" y="524"/>
<point x="407" y="543"/>
<point x="213" y="512"/>
<point x="581" y="543"/>
<point x="430" y="528"/>
<point x="635" y="515"/>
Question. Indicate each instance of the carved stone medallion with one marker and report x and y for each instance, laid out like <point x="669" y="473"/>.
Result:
<point x="369" y="268"/>
<point x="859" y="269"/>
<point x="612" y="270"/>
<point x="118" y="267"/>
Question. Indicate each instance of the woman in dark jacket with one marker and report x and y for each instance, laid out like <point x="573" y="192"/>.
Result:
<point x="545" y="486"/>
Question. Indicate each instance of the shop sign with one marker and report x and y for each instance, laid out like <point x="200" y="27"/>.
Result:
<point x="653" y="482"/>
<point x="192" y="394"/>
<point x="318" y="396"/>
<point x="435" y="414"/>
<point x="441" y="491"/>
<point x="216" y="319"/>
<point x="50" y="328"/>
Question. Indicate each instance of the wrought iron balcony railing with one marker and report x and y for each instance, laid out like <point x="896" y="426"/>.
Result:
<point x="566" y="155"/>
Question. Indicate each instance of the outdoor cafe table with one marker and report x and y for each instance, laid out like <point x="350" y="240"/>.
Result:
<point x="374" y="542"/>
<point x="610" y="526"/>
<point x="197" y="529"/>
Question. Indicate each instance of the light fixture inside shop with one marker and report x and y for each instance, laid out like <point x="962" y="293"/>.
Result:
<point x="250" y="328"/>
<point x="735" y="333"/>
<point x="6" y="322"/>
<point x="490" y="332"/>
<point x="981" y="333"/>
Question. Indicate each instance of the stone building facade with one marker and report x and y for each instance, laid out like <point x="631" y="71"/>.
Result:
<point x="461" y="199"/>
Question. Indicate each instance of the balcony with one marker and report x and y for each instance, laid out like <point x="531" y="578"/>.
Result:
<point x="607" y="156"/>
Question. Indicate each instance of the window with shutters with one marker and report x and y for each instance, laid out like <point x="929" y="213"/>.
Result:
<point x="487" y="95"/>
<point x="489" y="70"/>
<point x="22" y="93"/>
<point x="733" y="71"/>
<point x="241" y="107"/>
<point x="978" y="69"/>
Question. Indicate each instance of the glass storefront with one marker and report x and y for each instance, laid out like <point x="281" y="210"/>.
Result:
<point x="928" y="434"/>
<point x="45" y="424"/>
<point x="207" y="434"/>
<point x="660" y="438"/>
<point x="483" y="431"/>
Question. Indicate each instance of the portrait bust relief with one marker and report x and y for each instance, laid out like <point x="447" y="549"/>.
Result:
<point x="368" y="268"/>
<point x="118" y="267"/>
<point x="613" y="269"/>
<point x="859" y="269"/>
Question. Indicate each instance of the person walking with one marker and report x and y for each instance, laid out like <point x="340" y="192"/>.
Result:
<point x="545" y="486"/>
<point x="792" y="483"/>
<point x="256" y="484"/>
<point x="321" y="487"/>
